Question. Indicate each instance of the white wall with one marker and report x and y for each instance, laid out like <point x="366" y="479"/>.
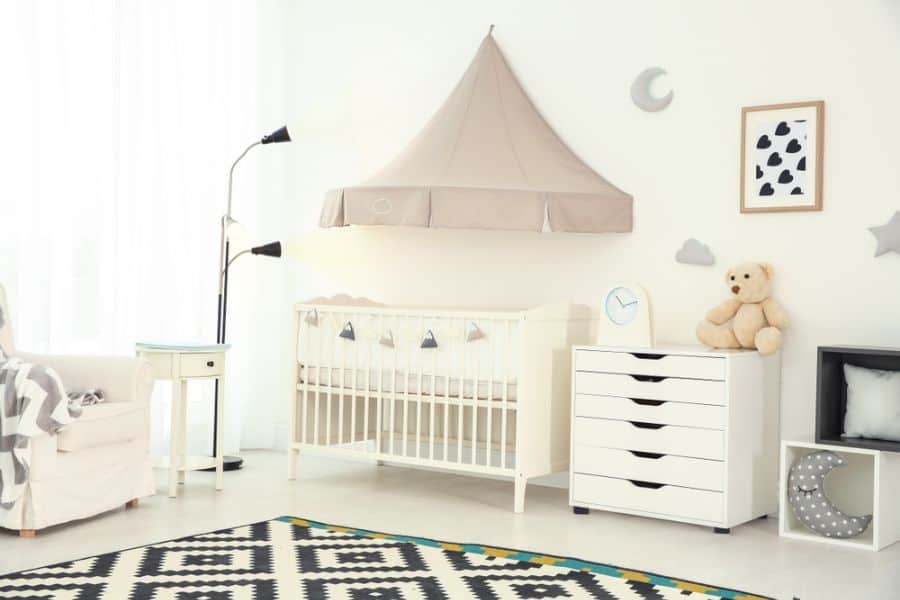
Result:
<point x="366" y="75"/>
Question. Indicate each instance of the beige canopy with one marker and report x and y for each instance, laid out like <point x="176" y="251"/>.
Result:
<point x="485" y="160"/>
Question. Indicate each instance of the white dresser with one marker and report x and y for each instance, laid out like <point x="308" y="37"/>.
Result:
<point x="680" y="433"/>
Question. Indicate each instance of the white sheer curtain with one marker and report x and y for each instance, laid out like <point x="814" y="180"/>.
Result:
<point x="118" y="122"/>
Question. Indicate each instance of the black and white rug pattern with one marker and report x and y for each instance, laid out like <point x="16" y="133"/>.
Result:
<point x="290" y="558"/>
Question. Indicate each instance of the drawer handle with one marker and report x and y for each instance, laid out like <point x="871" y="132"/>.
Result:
<point x="651" y="455"/>
<point x="210" y="363"/>
<point x="644" y="356"/>
<point x="647" y="402"/>
<point x="649" y="378"/>
<point x="645" y="425"/>
<point x="646" y="484"/>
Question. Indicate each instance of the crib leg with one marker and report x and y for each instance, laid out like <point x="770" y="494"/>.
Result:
<point x="293" y="454"/>
<point x="519" y="503"/>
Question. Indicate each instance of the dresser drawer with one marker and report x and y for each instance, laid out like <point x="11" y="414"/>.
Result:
<point x="660" y="468"/>
<point x="672" y="501"/>
<point x="647" y="437"/>
<point x="651" y="411"/>
<point x="202" y="365"/>
<point x="650" y="363"/>
<point x="697" y="391"/>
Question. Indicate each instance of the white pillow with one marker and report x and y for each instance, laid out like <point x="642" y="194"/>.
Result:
<point x="873" y="403"/>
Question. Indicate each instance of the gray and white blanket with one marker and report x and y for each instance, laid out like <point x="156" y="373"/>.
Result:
<point x="32" y="402"/>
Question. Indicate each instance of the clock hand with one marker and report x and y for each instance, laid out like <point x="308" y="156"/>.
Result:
<point x="620" y="302"/>
<point x="629" y="304"/>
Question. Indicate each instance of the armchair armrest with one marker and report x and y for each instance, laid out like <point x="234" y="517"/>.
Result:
<point x="122" y="378"/>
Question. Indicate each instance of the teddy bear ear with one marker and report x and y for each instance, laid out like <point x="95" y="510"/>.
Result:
<point x="768" y="270"/>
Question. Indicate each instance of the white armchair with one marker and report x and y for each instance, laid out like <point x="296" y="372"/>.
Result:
<point x="99" y="462"/>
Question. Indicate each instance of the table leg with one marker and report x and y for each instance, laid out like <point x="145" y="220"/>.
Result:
<point x="220" y="427"/>
<point x="174" y="437"/>
<point x="183" y="433"/>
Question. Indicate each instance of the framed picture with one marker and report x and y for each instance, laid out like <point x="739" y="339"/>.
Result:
<point x="781" y="157"/>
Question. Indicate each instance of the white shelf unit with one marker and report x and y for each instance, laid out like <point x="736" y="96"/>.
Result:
<point x="680" y="433"/>
<point x="868" y="484"/>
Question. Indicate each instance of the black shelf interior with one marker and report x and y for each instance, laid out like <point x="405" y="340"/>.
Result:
<point x="831" y="392"/>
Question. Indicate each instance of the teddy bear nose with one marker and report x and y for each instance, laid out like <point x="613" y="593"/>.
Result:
<point x="735" y="289"/>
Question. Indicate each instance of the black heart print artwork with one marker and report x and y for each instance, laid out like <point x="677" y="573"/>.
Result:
<point x="780" y="165"/>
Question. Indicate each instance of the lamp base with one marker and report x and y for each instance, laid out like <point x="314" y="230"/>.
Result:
<point x="229" y="463"/>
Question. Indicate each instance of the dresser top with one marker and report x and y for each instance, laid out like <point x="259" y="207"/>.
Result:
<point x="673" y="349"/>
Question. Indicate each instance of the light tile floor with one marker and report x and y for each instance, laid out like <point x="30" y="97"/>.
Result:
<point x="468" y="509"/>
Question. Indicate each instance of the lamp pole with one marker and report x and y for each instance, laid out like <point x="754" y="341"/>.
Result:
<point x="232" y="463"/>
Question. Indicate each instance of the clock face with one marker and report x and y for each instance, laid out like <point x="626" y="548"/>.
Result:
<point x="621" y="305"/>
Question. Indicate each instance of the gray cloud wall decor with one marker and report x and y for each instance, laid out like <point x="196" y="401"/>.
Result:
<point x="694" y="252"/>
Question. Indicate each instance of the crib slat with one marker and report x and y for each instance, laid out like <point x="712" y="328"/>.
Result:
<point x="329" y="396"/>
<point x="431" y="408"/>
<point x="379" y="402"/>
<point x="368" y="381"/>
<point x="446" y="455"/>
<point x="406" y="387"/>
<point x="320" y="355"/>
<point x="507" y="351"/>
<point x="490" y="394"/>
<point x="461" y="383"/>
<point x="342" y="344"/>
<point x="419" y="397"/>
<point x="353" y="394"/>
<point x="305" y="402"/>
<point x="475" y="382"/>
<point x="393" y="424"/>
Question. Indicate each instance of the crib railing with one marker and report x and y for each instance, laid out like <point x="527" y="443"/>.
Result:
<point x="420" y="387"/>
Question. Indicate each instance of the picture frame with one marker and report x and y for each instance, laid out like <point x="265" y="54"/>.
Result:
<point x="782" y="152"/>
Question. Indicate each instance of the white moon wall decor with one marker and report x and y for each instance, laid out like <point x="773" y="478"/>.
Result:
<point x="640" y="91"/>
<point x="888" y="236"/>
<point x="810" y="504"/>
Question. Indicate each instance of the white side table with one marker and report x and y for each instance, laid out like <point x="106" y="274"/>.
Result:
<point x="179" y="363"/>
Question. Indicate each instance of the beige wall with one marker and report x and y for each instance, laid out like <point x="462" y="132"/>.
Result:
<point x="365" y="76"/>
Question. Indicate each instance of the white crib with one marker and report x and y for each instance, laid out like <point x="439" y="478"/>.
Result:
<point x="467" y="390"/>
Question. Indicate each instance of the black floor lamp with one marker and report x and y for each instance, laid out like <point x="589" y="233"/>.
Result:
<point x="232" y="463"/>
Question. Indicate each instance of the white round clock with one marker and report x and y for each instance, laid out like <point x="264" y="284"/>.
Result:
<point x="621" y="305"/>
<point x="626" y="317"/>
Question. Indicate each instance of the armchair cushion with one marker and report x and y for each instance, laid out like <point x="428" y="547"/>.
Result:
<point x="122" y="378"/>
<point x="103" y="425"/>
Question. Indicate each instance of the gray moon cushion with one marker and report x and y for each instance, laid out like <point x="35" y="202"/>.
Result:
<point x="810" y="504"/>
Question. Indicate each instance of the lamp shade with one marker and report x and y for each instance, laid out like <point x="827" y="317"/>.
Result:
<point x="279" y="135"/>
<point x="272" y="249"/>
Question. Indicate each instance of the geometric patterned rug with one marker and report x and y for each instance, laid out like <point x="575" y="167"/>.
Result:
<point x="290" y="558"/>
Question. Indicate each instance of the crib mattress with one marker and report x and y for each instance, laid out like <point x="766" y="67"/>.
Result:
<point x="355" y="379"/>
